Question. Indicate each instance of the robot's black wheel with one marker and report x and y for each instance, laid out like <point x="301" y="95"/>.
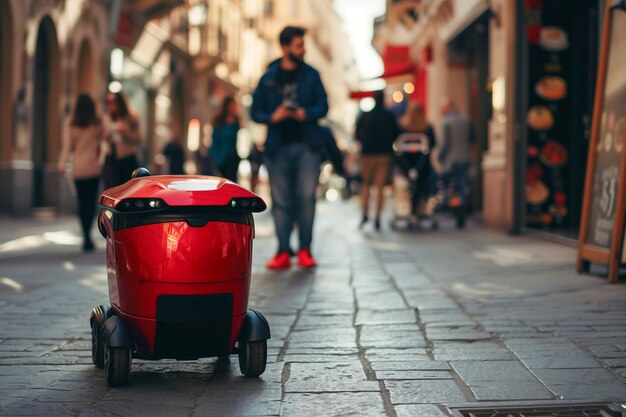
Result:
<point x="435" y="226"/>
<point x="252" y="357"/>
<point x="98" y="316"/>
<point x="97" y="345"/>
<point x="117" y="362"/>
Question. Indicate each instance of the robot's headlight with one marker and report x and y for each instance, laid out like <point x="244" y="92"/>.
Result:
<point x="253" y="204"/>
<point x="141" y="204"/>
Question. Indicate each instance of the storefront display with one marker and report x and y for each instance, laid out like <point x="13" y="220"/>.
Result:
<point x="548" y="111"/>
<point x="557" y="97"/>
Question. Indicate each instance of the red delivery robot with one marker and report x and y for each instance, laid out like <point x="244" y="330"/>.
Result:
<point x="179" y="257"/>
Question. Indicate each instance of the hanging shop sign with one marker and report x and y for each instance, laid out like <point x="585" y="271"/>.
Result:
<point x="602" y="237"/>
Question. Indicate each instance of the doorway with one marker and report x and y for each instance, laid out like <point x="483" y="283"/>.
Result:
<point x="468" y="57"/>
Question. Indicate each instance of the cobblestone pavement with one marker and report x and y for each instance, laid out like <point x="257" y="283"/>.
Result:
<point x="390" y="324"/>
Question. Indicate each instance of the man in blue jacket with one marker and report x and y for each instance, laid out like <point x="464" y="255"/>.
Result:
<point x="290" y="99"/>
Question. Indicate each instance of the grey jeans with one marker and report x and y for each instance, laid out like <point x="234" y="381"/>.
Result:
<point x="294" y="174"/>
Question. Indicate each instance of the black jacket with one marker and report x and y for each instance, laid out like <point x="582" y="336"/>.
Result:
<point x="377" y="130"/>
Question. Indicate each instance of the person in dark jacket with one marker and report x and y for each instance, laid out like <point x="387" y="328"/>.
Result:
<point x="290" y="99"/>
<point x="376" y="130"/>
<point x="175" y="154"/>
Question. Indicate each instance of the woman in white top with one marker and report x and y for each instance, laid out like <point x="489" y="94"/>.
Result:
<point x="123" y="137"/>
<point x="82" y="145"/>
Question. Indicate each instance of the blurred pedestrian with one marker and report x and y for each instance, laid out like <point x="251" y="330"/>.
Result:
<point x="175" y="154"/>
<point x="454" y="154"/>
<point x="414" y="122"/>
<point x="353" y="170"/>
<point x="376" y="130"/>
<point x="256" y="160"/>
<point x="123" y="137"/>
<point x="290" y="99"/>
<point x="204" y="164"/>
<point x="223" y="151"/>
<point x="82" y="145"/>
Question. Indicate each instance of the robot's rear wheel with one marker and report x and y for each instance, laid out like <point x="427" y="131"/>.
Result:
<point x="117" y="362"/>
<point x="252" y="357"/>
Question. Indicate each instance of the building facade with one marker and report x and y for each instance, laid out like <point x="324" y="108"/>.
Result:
<point x="174" y="59"/>
<point x="49" y="51"/>
<point x="524" y="74"/>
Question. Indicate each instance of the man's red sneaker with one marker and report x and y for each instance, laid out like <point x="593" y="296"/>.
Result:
<point x="305" y="259"/>
<point x="280" y="261"/>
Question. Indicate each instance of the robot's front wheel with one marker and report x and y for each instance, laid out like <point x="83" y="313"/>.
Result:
<point x="252" y="357"/>
<point x="117" y="361"/>
<point x="98" y="317"/>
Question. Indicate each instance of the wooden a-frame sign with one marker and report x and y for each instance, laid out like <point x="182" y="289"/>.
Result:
<point x="602" y="237"/>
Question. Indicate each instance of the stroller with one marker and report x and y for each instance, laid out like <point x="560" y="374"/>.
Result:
<point x="412" y="158"/>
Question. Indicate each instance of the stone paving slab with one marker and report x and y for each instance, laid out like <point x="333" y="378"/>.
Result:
<point x="423" y="365"/>
<point x="472" y="373"/>
<point x="129" y="409"/>
<point x="308" y="320"/>
<point x="409" y="375"/>
<point x="355" y="404"/>
<point x="329" y="377"/>
<point x="562" y="363"/>
<point x="37" y="409"/>
<point x="401" y="354"/>
<point x="500" y="380"/>
<point x="233" y="402"/>
<point x="492" y="391"/>
<point x="419" y="410"/>
<point x="387" y="317"/>
<point x="397" y="336"/>
<point x="425" y="392"/>
<point x="334" y="333"/>
<point x="318" y="357"/>
<point x="477" y="351"/>
<point x="456" y="334"/>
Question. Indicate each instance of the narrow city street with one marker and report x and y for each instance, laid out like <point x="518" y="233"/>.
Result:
<point x="390" y="324"/>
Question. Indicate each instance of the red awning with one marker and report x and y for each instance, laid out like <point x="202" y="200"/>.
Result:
<point x="397" y="61"/>
<point x="399" y="70"/>
<point x="359" y="95"/>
